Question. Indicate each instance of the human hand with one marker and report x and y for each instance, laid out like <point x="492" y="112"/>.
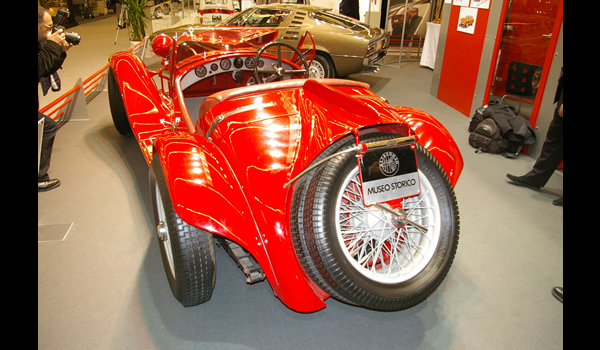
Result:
<point x="560" y="110"/>
<point x="59" y="38"/>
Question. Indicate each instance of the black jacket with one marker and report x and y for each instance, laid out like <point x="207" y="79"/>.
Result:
<point x="50" y="58"/>
<point x="513" y="126"/>
<point x="350" y="8"/>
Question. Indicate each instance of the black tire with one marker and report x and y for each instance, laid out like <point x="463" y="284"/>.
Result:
<point x="188" y="253"/>
<point x="318" y="228"/>
<point x="321" y="67"/>
<point x="117" y="108"/>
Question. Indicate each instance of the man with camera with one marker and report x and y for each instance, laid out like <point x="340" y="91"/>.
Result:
<point x="52" y="48"/>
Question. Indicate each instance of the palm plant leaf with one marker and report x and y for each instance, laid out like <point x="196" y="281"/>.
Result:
<point x="136" y="17"/>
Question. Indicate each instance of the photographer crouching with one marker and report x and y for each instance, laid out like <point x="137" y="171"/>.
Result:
<point x="52" y="48"/>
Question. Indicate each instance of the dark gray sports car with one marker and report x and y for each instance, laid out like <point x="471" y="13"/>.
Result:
<point x="344" y="45"/>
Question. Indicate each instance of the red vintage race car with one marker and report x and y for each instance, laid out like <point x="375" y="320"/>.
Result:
<point x="319" y="186"/>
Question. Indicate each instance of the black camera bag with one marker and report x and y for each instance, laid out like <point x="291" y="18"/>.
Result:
<point x="496" y="128"/>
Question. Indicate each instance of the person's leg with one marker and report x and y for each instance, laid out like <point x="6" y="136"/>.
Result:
<point x="549" y="159"/>
<point x="50" y="129"/>
<point x="551" y="156"/>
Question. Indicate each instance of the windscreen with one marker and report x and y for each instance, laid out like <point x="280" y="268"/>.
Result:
<point x="214" y="41"/>
<point x="258" y="17"/>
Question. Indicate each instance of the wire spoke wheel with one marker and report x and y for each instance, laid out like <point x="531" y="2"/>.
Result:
<point x="377" y="246"/>
<point x="365" y="255"/>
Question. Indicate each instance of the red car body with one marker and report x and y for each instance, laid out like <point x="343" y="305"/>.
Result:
<point x="227" y="177"/>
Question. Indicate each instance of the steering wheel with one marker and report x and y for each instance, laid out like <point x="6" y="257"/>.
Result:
<point x="277" y="72"/>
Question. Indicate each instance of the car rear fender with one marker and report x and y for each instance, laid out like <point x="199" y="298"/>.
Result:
<point x="206" y="194"/>
<point x="430" y="133"/>
<point x="144" y="105"/>
<point x="436" y="138"/>
<point x="361" y="116"/>
<point x="358" y="110"/>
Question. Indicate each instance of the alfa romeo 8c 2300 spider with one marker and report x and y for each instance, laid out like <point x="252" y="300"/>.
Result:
<point x="319" y="186"/>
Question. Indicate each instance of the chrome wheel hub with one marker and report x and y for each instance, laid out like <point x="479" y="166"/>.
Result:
<point x="162" y="231"/>
<point x="316" y="70"/>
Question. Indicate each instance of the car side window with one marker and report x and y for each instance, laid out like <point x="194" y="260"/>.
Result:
<point x="262" y="18"/>
<point x="333" y="19"/>
<point x="239" y="19"/>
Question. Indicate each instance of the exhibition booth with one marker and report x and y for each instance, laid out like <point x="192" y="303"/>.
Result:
<point x="166" y="159"/>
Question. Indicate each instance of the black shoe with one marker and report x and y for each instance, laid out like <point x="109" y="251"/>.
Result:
<point x="44" y="186"/>
<point x="558" y="293"/>
<point x="558" y="202"/>
<point x="522" y="181"/>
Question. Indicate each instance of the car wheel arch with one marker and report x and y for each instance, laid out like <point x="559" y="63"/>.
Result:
<point x="329" y="59"/>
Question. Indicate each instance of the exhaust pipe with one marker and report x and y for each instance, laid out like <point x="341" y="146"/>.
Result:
<point x="371" y="69"/>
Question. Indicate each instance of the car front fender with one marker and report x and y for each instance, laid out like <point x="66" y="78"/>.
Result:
<point x="143" y="103"/>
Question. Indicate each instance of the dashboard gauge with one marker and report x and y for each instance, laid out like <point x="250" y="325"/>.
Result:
<point x="225" y="64"/>
<point x="238" y="62"/>
<point x="261" y="63"/>
<point x="214" y="67"/>
<point x="200" y="71"/>
<point x="250" y="62"/>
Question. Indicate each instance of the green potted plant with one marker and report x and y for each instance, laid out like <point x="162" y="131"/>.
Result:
<point x="136" y="18"/>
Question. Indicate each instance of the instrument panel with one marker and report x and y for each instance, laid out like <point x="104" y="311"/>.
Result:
<point x="226" y="65"/>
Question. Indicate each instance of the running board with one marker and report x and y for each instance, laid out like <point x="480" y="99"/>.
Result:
<point x="244" y="260"/>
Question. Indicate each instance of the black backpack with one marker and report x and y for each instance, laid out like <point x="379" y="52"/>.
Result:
<point x="491" y="130"/>
<point x="486" y="137"/>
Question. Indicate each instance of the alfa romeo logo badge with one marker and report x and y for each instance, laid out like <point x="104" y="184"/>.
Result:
<point x="389" y="163"/>
<point x="389" y="174"/>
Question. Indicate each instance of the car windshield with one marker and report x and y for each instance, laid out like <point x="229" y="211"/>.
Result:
<point x="218" y="40"/>
<point x="254" y="17"/>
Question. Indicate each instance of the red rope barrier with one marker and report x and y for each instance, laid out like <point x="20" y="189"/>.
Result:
<point x="89" y="80"/>
<point x="95" y="74"/>
<point x="59" y="107"/>
<point x="62" y="97"/>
